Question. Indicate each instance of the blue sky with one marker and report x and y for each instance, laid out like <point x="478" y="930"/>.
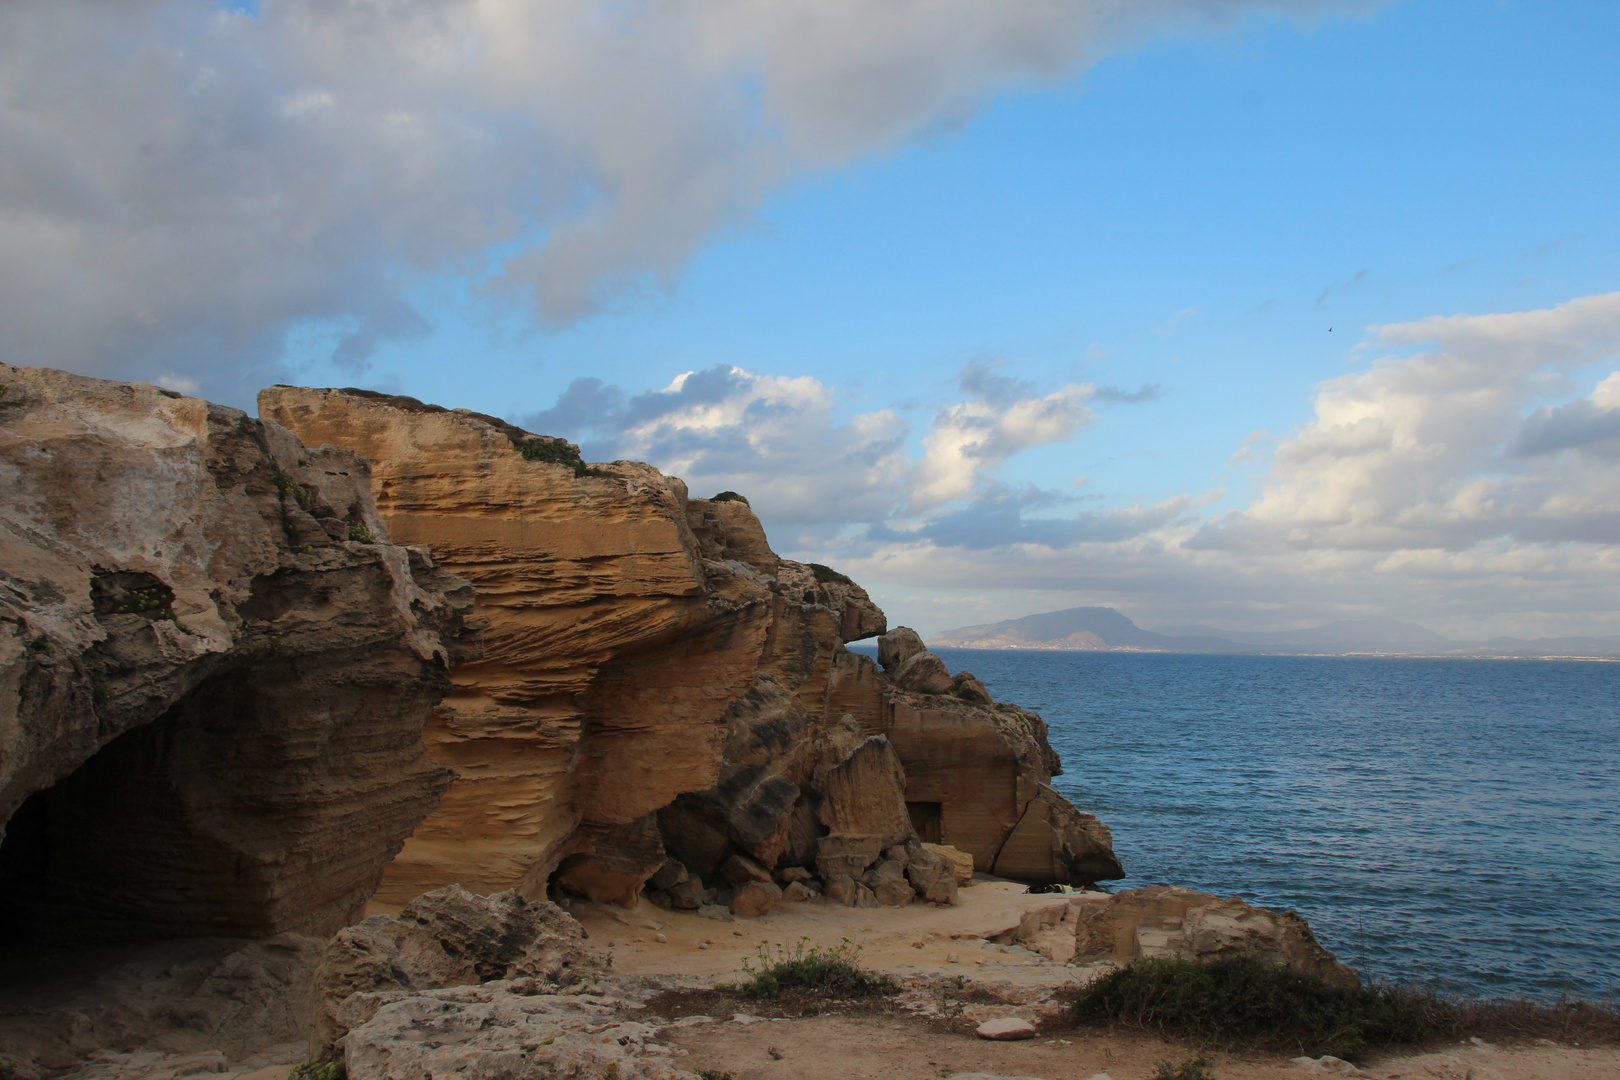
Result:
<point x="1068" y="214"/>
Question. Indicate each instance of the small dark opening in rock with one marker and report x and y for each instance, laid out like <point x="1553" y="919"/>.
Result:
<point x="927" y="819"/>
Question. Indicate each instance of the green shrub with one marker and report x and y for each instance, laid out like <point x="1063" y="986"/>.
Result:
<point x="553" y="453"/>
<point x="1246" y="1003"/>
<point x="810" y="967"/>
<point x="824" y="574"/>
<point x="1192" y="1069"/>
<point x="360" y="534"/>
<point x="731" y="496"/>
<point x="318" y="1070"/>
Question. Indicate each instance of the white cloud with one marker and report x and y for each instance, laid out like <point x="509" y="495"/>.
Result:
<point x="1435" y="484"/>
<point x="183" y="187"/>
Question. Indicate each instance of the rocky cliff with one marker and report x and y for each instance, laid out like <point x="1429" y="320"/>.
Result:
<point x="214" y="669"/>
<point x="662" y="694"/>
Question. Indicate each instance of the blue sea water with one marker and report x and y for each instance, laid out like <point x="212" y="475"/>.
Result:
<point x="1454" y="823"/>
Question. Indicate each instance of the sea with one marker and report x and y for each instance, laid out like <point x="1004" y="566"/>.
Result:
<point x="1448" y="823"/>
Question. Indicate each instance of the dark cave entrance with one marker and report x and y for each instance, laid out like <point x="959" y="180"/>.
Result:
<point x="109" y="852"/>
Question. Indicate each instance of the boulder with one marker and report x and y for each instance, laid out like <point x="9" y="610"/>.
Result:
<point x="798" y="892"/>
<point x="888" y="883"/>
<point x="933" y="877"/>
<point x="840" y="889"/>
<point x="448" y="937"/>
<point x="617" y="865"/>
<point x="923" y="673"/>
<point x="688" y="895"/>
<point x="898" y="646"/>
<point x="960" y="861"/>
<point x="755" y="898"/>
<point x="740" y="869"/>
<point x="671" y="874"/>
<point x="969" y="689"/>
<point x="1160" y="921"/>
<point x="790" y="874"/>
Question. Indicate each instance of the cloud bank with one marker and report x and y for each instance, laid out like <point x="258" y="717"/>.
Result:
<point x="1460" y="479"/>
<point x="185" y="187"/>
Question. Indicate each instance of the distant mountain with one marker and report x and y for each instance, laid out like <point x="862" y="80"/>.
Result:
<point x="1106" y="629"/>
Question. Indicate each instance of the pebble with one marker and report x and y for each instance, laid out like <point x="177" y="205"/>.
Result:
<point x="952" y="958"/>
<point x="661" y="938"/>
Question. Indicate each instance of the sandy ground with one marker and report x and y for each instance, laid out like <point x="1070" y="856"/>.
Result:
<point x="921" y="941"/>
<point x="915" y="940"/>
<point x="887" y="1048"/>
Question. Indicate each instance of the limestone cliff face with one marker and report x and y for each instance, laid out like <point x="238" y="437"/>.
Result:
<point x="658" y="683"/>
<point x="214" y="668"/>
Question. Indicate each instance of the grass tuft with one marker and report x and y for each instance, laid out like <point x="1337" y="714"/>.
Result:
<point x="731" y="496"/>
<point x="831" y="970"/>
<point x="318" y="1070"/>
<point x="1192" y="1069"/>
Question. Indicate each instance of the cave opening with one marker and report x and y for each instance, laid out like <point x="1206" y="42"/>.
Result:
<point x="110" y="853"/>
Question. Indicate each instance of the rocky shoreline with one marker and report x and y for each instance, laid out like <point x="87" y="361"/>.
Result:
<point x="263" y="678"/>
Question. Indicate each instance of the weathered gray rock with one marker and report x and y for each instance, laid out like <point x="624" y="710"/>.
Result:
<point x="502" y="1030"/>
<point x="1006" y="1029"/>
<point x="755" y="898"/>
<point x="888" y="883"/>
<point x="215" y="672"/>
<point x="1160" y="921"/>
<point x="924" y="673"/>
<point x="715" y="912"/>
<point x="448" y="937"/>
<point x="898" y="646"/>
<point x="970" y="689"/>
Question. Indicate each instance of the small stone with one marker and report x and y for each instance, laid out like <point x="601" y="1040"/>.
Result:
<point x="775" y="1052"/>
<point x="661" y="938"/>
<point x="703" y="944"/>
<point x="916" y="944"/>
<point x="715" y="912"/>
<point x="1006" y="1029"/>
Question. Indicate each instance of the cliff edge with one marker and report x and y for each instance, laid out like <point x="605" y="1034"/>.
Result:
<point x="660" y="691"/>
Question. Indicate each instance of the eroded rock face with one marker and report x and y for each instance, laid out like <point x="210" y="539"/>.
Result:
<point x="214" y="669"/>
<point x="650" y="659"/>
<point x="1183" y="924"/>
<point x="447" y="937"/>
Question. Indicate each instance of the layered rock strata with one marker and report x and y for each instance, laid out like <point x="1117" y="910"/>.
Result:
<point x="661" y="693"/>
<point x="214" y="669"/>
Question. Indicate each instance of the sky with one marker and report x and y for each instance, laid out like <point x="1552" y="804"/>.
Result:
<point x="1255" y="314"/>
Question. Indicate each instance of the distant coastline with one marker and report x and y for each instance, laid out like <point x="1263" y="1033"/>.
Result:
<point x="1101" y="629"/>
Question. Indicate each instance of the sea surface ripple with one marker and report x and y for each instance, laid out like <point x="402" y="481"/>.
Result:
<point x="1452" y="823"/>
